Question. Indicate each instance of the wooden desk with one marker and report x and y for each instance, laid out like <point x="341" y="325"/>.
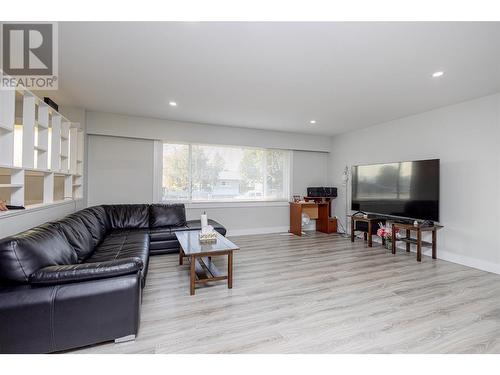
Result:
<point x="416" y="241"/>
<point x="316" y="211"/>
<point x="321" y="200"/>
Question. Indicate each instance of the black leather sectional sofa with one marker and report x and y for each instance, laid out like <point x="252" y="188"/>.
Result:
<point x="78" y="281"/>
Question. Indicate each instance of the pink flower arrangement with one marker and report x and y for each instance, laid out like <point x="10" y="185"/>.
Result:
<point x="385" y="232"/>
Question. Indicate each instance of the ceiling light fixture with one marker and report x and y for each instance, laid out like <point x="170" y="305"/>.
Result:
<point x="312" y="122"/>
<point x="437" y="74"/>
<point x="172" y="104"/>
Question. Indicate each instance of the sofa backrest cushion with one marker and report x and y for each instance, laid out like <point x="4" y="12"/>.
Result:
<point x="25" y="253"/>
<point x="96" y="221"/>
<point x="167" y="215"/>
<point x="128" y="216"/>
<point x="78" y="236"/>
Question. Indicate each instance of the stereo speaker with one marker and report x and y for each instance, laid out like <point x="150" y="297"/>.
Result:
<point x="322" y="192"/>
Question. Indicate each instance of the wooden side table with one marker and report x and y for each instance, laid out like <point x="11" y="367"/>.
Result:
<point x="408" y="228"/>
<point x="370" y="220"/>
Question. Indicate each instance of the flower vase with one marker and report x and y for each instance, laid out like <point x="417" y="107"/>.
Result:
<point x="388" y="243"/>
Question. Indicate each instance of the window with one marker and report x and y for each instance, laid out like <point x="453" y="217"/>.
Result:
<point x="224" y="173"/>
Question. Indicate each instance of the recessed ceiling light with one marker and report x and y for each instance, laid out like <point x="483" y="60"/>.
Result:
<point x="312" y="122"/>
<point x="437" y="74"/>
<point x="172" y="104"/>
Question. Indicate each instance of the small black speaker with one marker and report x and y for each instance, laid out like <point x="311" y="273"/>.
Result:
<point x="330" y="192"/>
<point x="50" y="102"/>
<point x="322" y="192"/>
<point x="314" y="192"/>
<point x="363" y="227"/>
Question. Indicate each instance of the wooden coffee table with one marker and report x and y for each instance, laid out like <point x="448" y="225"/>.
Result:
<point x="202" y="269"/>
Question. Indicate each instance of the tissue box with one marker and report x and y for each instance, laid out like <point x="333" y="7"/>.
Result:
<point x="208" y="236"/>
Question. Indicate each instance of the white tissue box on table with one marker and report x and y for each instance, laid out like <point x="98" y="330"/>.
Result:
<point x="207" y="234"/>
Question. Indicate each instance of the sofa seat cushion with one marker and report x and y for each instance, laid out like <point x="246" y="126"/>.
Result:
<point x="167" y="215"/>
<point x="128" y="216"/>
<point x="165" y="233"/>
<point x="157" y="246"/>
<point x="196" y="225"/>
<point x="25" y="253"/>
<point x="123" y="244"/>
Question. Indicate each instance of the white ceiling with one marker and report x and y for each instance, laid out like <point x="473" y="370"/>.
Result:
<point x="276" y="75"/>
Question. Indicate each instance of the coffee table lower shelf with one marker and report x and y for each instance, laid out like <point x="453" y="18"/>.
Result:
<point x="200" y="254"/>
<point x="203" y="270"/>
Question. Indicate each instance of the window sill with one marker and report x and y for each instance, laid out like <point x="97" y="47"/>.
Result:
<point x="36" y="207"/>
<point x="226" y="204"/>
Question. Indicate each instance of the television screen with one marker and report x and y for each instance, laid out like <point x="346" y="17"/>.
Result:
<point x="407" y="189"/>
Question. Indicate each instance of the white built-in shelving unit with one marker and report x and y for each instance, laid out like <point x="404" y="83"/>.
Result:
<point x="41" y="151"/>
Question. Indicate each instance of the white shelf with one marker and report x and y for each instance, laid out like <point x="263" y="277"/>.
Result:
<point x="10" y="167"/>
<point x="37" y="207"/>
<point x="50" y="141"/>
<point x="40" y="125"/>
<point x="38" y="170"/>
<point x="6" y="128"/>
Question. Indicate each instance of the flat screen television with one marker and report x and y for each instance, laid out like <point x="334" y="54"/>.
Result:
<point x="408" y="189"/>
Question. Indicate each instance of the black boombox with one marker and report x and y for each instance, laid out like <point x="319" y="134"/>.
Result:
<point x="323" y="192"/>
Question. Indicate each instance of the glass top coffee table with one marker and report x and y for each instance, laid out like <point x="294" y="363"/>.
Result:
<point x="200" y="254"/>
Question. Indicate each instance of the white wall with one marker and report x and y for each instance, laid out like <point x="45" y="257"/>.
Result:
<point x="174" y="131"/>
<point x="466" y="137"/>
<point x="121" y="170"/>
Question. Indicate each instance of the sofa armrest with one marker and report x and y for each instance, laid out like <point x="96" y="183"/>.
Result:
<point x="53" y="275"/>
<point x="51" y="318"/>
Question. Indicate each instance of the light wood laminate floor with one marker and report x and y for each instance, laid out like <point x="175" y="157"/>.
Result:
<point x="318" y="294"/>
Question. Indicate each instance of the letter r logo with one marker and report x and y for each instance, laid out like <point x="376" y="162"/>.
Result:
<point x="27" y="49"/>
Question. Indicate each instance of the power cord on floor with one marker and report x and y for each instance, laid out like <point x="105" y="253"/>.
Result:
<point x="343" y="233"/>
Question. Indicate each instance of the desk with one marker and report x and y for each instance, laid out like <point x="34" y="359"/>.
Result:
<point x="316" y="211"/>
<point x="321" y="200"/>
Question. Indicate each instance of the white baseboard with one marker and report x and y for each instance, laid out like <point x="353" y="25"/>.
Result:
<point x="250" y="231"/>
<point x="468" y="261"/>
<point x="442" y="254"/>
<point x="455" y="258"/>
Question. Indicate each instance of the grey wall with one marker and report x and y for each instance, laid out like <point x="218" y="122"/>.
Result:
<point x="466" y="138"/>
<point x="309" y="169"/>
<point x="120" y="170"/>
